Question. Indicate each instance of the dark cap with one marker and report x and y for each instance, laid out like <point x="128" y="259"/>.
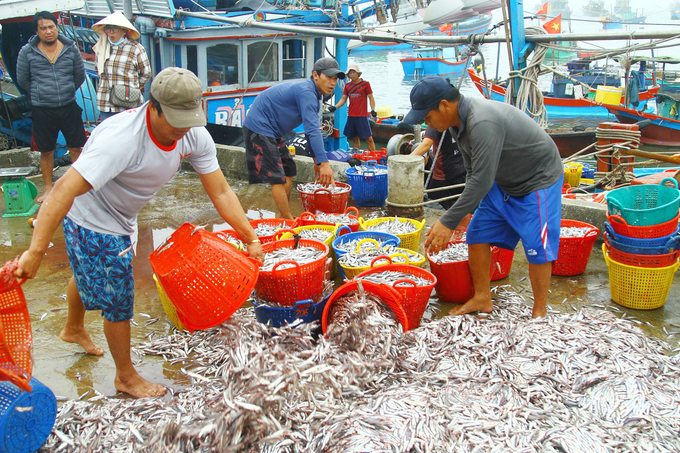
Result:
<point x="329" y="67"/>
<point x="425" y="96"/>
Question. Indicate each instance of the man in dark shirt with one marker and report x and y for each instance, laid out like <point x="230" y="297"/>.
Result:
<point x="514" y="174"/>
<point x="277" y="111"/>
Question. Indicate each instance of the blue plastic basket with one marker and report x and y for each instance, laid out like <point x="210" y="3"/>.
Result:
<point x="26" y="418"/>
<point x="368" y="189"/>
<point x="587" y="172"/>
<point x="345" y="235"/>
<point x="670" y="246"/>
<point x="645" y="205"/>
<point x="306" y="310"/>
<point x="644" y="243"/>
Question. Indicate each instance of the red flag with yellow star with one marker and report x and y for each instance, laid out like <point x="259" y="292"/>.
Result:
<point x="543" y="11"/>
<point x="554" y="25"/>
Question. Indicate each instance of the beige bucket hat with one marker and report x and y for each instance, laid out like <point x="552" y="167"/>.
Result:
<point x="117" y="19"/>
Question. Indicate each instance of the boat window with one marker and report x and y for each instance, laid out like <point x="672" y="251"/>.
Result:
<point x="177" y="57"/>
<point x="192" y="59"/>
<point x="262" y="62"/>
<point x="222" y="64"/>
<point x="294" y="58"/>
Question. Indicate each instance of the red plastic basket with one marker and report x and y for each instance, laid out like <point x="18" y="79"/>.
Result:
<point x="574" y="253"/>
<point x="287" y="223"/>
<point x="324" y="201"/>
<point x="631" y="259"/>
<point x="414" y="298"/>
<point x="205" y="278"/>
<point x="391" y="298"/>
<point x="454" y="280"/>
<point x="16" y="338"/>
<point x="287" y="286"/>
<point x="307" y="218"/>
<point x="501" y="262"/>
<point x="621" y="227"/>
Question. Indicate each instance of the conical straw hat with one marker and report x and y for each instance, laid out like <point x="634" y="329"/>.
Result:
<point x="117" y="19"/>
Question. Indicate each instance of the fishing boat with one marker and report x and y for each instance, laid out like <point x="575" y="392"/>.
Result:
<point x="432" y="61"/>
<point x="441" y="12"/>
<point x="563" y="100"/>
<point x="622" y="14"/>
<point x="594" y="8"/>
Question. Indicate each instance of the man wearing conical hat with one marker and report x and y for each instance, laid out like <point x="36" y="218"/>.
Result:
<point x="119" y="59"/>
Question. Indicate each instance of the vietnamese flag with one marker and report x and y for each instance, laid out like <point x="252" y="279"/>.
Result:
<point x="445" y="27"/>
<point x="554" y="25"/>
<point x="543" y="11"/>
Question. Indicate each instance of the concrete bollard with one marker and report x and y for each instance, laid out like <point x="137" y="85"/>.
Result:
<point x="405" y="185"/>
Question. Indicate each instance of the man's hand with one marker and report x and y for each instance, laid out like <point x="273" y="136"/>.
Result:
<point x="255" y="251"/>
<point x="438" y="237"/>
<point x="324" y="174"/>
<point x="28" y="265"/>
<point x="332" y="108"/>
<point x="374" y="113"/>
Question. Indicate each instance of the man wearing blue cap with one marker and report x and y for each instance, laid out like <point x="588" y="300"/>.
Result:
<point x="514" y="179"/>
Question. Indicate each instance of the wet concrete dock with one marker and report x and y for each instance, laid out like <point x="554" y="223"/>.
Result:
<point x="72" y="374"/>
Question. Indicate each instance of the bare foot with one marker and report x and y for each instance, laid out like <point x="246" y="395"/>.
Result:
<point x="82" y="338"/>
<point x="42" y="197"/>
<point x="484" y="305"/>
<point x="139" y="387"/>
<point x="539" y="312"/>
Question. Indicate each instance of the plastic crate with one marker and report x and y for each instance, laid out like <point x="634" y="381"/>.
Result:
<point x="642" y="288"/>
<point x="574" y="253"/>
<point x="26" y="418"/>
<point x="204" y="277"/>
<point x="368" y="189"/>
<point x="409" y="241"/>
<point x="414" y="299"/>
<point x="645" y="205"/>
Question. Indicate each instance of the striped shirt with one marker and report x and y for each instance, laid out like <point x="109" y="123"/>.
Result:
<point x="128" y="65"/>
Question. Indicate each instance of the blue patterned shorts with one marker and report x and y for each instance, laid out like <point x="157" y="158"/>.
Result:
<point x="104" y="279"/>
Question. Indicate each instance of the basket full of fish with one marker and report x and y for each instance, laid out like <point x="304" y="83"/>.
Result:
<point x="369" y="183"/>
<point x="372" y="302"/>
<point x="347" y="219"/>
<point x="293" y="270"/>
<point x="407" y="230"/>
<point x="576" y="243"/>
<point x="265" y="229"/>
<point x="369" y="253"/>
<point x="347" y="242"/>
<point x="205" y="278"/>
<point x="414" y="284"/>
<point x="321" y="233"/>
<point x="317" y="197"/>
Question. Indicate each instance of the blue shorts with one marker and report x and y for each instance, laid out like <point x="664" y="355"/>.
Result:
<point x="502" y="220"/>
<point x="103" y="278"/>
<point x="358" y="126"/>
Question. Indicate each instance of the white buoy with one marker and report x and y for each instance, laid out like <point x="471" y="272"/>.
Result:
<point x="405" y="185"/>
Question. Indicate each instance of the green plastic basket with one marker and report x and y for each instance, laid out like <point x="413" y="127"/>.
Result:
<point x="645" y="205"/>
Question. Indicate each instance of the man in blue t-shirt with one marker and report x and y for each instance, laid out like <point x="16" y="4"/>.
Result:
<point x="277" y="111"/>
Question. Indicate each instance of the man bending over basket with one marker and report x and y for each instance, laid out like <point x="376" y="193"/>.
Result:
<point x="514" y="174"/>
<point x="125" y="162"/>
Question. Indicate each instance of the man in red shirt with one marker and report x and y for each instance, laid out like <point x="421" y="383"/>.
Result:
<point x="357" y="127"/>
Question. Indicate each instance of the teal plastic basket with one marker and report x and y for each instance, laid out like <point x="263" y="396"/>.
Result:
<point x="645" y="205"/>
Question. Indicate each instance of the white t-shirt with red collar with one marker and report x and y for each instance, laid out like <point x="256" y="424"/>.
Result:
<point x="126" y="166"/>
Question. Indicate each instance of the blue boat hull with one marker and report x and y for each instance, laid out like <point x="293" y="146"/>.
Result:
<point x="418" y="67"/>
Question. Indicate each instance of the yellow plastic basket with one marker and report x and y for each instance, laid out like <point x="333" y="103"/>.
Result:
<point x="409" y="241"/>
<point x="283" y="234"/>
<point x="642" y="288"/>
<point x="167" y="305"/>
<point x="351" y="272"/>
<point x="572" y="173"/>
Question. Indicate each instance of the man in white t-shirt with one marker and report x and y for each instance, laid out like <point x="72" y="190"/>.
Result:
<point x="124" y="163"/>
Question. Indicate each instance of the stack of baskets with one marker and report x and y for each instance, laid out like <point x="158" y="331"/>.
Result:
<point x="369" y="183"/>
<point x="641" y="243"/>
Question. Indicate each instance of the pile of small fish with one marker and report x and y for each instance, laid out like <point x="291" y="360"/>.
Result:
<point x="343" y="219"/>
<point x="360" y="306"/>
<point x="315" y="233"/>
<point x="455" y="252"/>
<point x="394" y="226"/>
<point x="574" y="232"/>
<point x="351" y="246"/>
<point x="236" y="242"/>
<point x="301" y="255"/>
<point x="361" y="169"/>
<point x="391" y="277"/>
<point x="364" y="257"/>
<point x="268" y="229"/>
<point x="311" y="187"/>
<point x="580" y="382"/>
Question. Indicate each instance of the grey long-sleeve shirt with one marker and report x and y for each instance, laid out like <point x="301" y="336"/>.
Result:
<point x="500" y="143"/>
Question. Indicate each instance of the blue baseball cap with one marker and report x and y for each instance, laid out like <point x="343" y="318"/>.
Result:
<point x="425" y="96"/>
